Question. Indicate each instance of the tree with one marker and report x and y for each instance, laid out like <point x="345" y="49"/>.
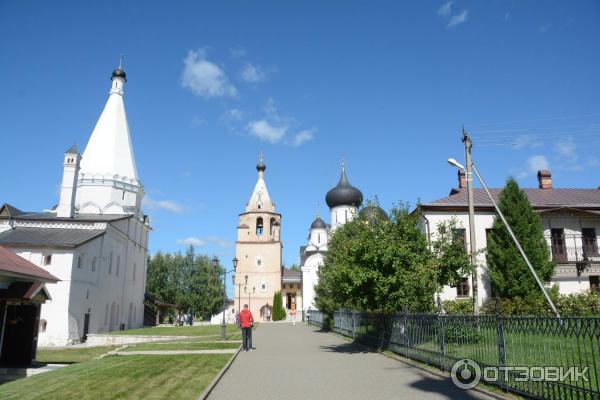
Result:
<point x="294" y="267"/>
<point x="509" y="273"/>
<point x="380" y="266"/>
<point x="449" y="248"/>
<point x="188" y="280"/>
<point x="278" y="310"/>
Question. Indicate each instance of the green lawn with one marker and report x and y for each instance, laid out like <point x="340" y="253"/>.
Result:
<point x="182" y="346"/>
<point x="198" y="330"/>
<point x="124" y="377"/>
<point x="69" y="356"/>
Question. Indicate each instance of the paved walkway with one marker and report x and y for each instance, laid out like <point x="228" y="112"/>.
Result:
<point x="300" y="362"/>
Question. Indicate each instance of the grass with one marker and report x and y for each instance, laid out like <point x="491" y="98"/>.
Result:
<point x="182" y="346"/>
<point x="70" y="356"/>
<point x="197" y="330"/>
<point x="128" y="378"/>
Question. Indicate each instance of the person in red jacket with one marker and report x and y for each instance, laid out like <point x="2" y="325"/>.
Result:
<point x="246" y="323"/>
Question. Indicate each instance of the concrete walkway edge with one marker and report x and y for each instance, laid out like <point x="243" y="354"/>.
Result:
<point x="217" y="378"/>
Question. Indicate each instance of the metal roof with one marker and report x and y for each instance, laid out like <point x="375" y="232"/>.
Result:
<point x="53" y="237"/>
<point x="539" y="198"/>
<point x="289" y="276"/>
<point x="14" y="264"/>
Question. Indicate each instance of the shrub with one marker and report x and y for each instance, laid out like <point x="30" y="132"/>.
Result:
<point x="278" y="310"/>
<point x="461" y="333"/>
<point x="458" y="307"/>
<point x="578" y="304"/>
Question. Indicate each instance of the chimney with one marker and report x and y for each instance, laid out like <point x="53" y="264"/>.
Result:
<point x="544" y="179"/>
<point x="462" y="179"/>
<point x="66" y="204"/>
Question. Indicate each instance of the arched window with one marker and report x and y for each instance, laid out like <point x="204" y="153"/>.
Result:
<point x="318" y="238"/>
<point x="272" y="226"/>
<point x="259" y="226"/>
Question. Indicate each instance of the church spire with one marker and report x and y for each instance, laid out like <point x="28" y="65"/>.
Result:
<point x="260" y="199"/>
<point x="109" y="158"/>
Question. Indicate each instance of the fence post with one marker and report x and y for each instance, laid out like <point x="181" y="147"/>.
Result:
<point x="441" y="333"/>
<point x="353" y="325"/>
<point x="501" y="341"/>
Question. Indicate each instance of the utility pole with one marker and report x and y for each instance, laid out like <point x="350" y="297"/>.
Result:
<point x="472" y="244"/>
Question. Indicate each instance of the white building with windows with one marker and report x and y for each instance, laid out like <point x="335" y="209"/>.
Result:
<point x="571" y="222"/>
<point x="95" y="240"/>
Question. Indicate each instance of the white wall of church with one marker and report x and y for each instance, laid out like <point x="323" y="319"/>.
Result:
<point x="342" y="214"/>
<point x="310" y="279"/>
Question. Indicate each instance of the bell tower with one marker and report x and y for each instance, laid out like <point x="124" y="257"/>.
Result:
<point x="258" y="249"/>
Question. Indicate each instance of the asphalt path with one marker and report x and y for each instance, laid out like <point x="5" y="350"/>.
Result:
<point x="302" y="362"/>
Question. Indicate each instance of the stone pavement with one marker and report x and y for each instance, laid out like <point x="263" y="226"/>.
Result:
<point x="301" y="362"/>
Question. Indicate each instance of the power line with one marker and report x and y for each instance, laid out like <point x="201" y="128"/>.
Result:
<point x="534" y="120"/>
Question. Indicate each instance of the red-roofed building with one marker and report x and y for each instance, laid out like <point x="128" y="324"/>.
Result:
<point x="22" y="292"/>
<point x="571" y="222"/>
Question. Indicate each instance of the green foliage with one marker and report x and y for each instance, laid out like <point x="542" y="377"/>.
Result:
<point x="451" y="254"/>
<point x="278" y="310"/>
<point x="458" y="307"/>
<point x="295" y="267"/>
<point x="577" y="304"/>
<point x="509" y="273"/>
<point x="461" y="334"/>
<point x="188" y="280"/>
<point x="383" y="266"/>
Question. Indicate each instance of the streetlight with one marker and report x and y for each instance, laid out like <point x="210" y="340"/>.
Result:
<point x="453" y="162"/>
<point x="249" y="292"/>
<point x="215" y="264"/>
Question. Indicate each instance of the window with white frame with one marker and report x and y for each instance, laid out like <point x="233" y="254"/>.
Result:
<point x="47" y="259"/>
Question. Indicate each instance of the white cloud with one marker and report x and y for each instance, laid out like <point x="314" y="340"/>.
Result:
<point x="304" y="136"/>
<point x="567" y="149"/>
<point x="205" y="78"/>
<point x="535" y="163"/>
<point x="219" y="241"/>
<point x="253" y="73"/>
<point x="232" y="115"/>
<point x="264" y="130"/>
<point x="445" y="10"/>
<point x="545" y="28"/>
<point x="458" y="19"/>
<point x="525" y="141"/>
<point x="237" y="52"/>
<point x="191" y="241"/>
<point x="197" y="121"/>
<point x="167" y="205"/>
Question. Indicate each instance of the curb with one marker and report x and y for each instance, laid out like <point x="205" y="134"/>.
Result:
<point x="417" y="365"/>
<point x="217" y="378"/>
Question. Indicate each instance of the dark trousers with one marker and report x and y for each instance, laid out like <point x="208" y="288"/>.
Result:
<point x="247" y="338"/>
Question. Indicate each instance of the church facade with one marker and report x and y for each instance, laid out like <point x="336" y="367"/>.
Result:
<point x="344" y="201"/>
<point x="95" y="240"/>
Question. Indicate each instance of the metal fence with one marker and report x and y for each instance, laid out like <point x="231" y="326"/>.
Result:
<point x="501" y="342"/>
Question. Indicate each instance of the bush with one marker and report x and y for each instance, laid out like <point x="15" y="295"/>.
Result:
<point x="461" y="334"/>
<point x="278" y="310"/>
<point x="458" y="307"/>
<point x="578" y="304"/>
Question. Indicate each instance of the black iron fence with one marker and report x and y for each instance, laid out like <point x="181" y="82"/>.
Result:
<point x="569" y="345"/>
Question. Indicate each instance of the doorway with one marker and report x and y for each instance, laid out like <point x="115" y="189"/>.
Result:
<point x="86" y="326"/>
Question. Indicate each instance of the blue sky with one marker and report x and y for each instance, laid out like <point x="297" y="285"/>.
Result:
<point x="388" y="85"/>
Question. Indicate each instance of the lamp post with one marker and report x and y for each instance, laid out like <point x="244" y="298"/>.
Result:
<point x="215" y="263"/>
<point x="452" y="161"/>
<point x="249" y="292"/>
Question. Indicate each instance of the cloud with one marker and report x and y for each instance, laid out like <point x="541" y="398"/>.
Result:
<point x="191" y="241"/>
<point x="525" y="141"/>
<point x="205" y="78"/>
<point x="167" y="205"/>
<point x="237" y="52"/>
<point x="534" y="164"/>
<point x="545" y="27"/>
<point x="457" y="19"/>
<point x="253" y="73"/>
<point x="304" y="136"/>
<point x="445" y="10"/>
<point x="567" y="149"/>
<point x="264" y="130"/>
<point x="219" y="241"/>
<point x="232" y="117"/>
<point x="197" y="121"/>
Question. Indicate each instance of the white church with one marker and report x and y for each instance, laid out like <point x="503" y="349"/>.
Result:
<point x="344" y="202"/>
<point x="95" y="240"/>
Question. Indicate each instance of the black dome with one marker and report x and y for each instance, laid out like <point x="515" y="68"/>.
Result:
<point x="344" y="194"/>
<point x="119" y="73"/>
<point x="373" y="213"/>
<point x="261" y="166"/>
<point x="318" y="223"/>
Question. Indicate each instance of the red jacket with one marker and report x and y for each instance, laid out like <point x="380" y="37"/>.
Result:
<point x="246" y="319"/>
